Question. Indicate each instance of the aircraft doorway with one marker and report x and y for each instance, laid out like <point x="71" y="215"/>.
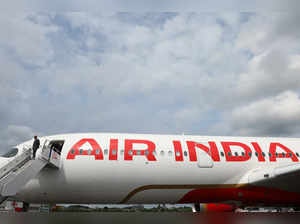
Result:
<point x="56" y="145"/>
<point x="52" y="150"/>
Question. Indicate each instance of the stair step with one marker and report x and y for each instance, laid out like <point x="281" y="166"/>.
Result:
<point x="20" y="170"/>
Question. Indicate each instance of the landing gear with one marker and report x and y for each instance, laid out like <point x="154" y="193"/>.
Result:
<point x="25" y="207"/>
<point x="196" y="207"/>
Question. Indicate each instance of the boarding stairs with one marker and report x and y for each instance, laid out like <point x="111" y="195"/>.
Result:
<point x="22" y="168"/>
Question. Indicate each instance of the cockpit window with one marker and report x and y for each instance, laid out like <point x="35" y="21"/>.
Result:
<point x="11" y="153"/>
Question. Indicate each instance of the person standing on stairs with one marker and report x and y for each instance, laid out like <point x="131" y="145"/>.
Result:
<point x="35" y="146"/>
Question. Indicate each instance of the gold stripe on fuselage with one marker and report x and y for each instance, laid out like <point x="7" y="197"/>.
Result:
<point x="176" y="187"/>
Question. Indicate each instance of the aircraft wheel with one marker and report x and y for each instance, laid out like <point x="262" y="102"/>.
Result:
<point x="196" y="207"/>
<point x="25" y="207"/>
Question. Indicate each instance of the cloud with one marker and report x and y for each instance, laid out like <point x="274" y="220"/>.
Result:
<point x="153" y="6"/>
<point x="26" y="40"/>
<point x="275" y="116"/>
<point x="147" y="72"/>
<point x="269" y="74"/>
<point x="14" y="135"/>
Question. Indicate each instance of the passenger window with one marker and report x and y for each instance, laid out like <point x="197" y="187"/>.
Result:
<point x="73" y="151"/>
<point x="97" y="151"/>
<point x="105" y="151"/>
<point x="249" y="153"/>
<point x="138" y="152"/>
<point x="185" y="153"/>
<point x="270" y="154"/>
<point x="81" y="151"/>
<point x="177" y="154"/>
<point x="146" y="152"/>
<point x="236" y="154"/>
<point x="256" y="154"/>
<point x="130" y="152"/>
<point x="297" y="154"/>
<point x="291" y="155"/>
<point x="243" y="153"/>
<point x="229" y="154"/>
<point x="222" y="154"/>
<point x="89" y="151"/>
<point x="114" y="152"/>
<point x="263" y="154"/>
<point x="276" y="154"/>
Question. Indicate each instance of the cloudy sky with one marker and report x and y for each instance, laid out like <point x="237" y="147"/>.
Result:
<point x="221" y="73"/>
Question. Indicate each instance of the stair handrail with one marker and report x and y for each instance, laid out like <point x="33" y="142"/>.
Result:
<point x="15" y="162"/>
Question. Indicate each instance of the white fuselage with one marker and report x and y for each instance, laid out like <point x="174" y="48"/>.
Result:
<point x="85" y="178"/>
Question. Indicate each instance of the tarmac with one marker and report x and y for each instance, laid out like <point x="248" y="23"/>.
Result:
<point x="153" y="218"/>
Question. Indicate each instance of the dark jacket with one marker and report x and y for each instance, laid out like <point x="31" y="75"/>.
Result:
<point x="36" y="144"/>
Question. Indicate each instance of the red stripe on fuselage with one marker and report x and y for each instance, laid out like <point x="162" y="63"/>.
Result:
<point x="249" y="195"/>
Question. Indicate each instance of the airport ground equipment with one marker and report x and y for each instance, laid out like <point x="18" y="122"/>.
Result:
<point x="22" y="168"/>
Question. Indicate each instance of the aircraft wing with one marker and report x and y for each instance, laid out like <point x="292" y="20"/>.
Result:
<point x="283" y="177"/>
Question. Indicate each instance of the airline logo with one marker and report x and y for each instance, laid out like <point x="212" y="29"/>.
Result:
<point x="275" y="150"/>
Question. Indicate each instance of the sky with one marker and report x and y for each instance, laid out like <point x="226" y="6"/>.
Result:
<point x="201" y="73"/>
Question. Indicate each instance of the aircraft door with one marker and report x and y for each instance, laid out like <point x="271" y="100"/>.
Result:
<point x="55" y="151"/>
<point x="204" y="160"/>
<point x="51" y="151"/>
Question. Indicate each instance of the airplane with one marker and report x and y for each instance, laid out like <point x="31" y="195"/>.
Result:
<point x="213" y="173"/>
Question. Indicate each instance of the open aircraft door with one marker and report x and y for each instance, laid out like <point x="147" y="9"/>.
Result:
<point x="51" y="151"/>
